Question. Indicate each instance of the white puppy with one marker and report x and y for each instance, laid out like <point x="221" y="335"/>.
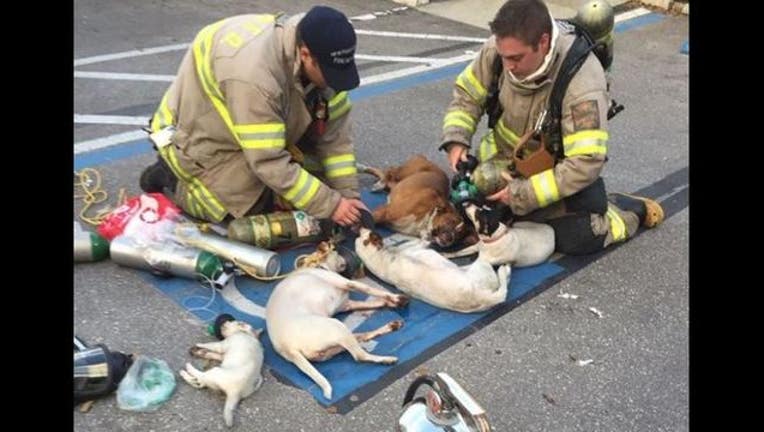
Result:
<point x="300" y="324"/>
<point x="423" y="273"/>
<point x="521" y="245"/>
<point x="241" y="359"/>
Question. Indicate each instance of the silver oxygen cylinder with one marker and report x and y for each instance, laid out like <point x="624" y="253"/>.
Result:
<point x="168" y="258"/>
<point x="265" y="262"/>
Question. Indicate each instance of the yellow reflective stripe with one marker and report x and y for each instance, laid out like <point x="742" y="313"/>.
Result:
<point x="259" y="128"/>
<point x="487" y="146"/>
<point x="303" y="190"/>
<point x="506" y="133"/>
<point x="308" y="195"/>
<point x="617" y="225"/>
<point x="193" y="207"/>
<point x="195" y="187"/>
<point x="202" y="46"/>
<point x="339" y="105"/>
<point x="261" y="136"/>
<point x="461" y="119"/>
<point x="255" y="27"/>
<point x="163" y="116"/>
<point x="471" y="85"/>
<point x="586" y="142"/>
<point x="340" y="165"/>
<point x="233" y="39"/>
<point x="545" y="187"/>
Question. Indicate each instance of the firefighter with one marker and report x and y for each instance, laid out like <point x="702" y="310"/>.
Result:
<point x="522" y="60"/>
<point x="258" y="119"/>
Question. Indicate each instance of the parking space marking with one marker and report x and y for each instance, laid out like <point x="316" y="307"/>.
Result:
<point x="123" y="76"/>
<point x="100" y="143"/>
<point x="110" y="119"/>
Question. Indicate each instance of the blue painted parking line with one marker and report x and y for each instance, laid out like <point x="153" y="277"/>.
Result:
<point x="134" y="148"/>
<point x="424" y="325"/>
<point x="685" y="48"/>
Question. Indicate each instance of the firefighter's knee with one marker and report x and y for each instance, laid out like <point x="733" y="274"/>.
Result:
<point x="574" y="235"/>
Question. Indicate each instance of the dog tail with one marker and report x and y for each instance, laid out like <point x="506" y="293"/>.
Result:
<point x="308" y="369"/>
<point x="231" y="401"/>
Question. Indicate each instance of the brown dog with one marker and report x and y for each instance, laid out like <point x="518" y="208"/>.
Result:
<point x="418" y="202"/>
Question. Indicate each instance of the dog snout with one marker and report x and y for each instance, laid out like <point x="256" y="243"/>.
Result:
<point x="444" y="238"/>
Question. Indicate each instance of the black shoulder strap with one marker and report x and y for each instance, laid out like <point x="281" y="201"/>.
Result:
<point x="492" y="106"/>
<point x="572" y="62"/>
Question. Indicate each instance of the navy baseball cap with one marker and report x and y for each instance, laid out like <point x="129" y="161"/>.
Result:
<point x="331" y="39"/>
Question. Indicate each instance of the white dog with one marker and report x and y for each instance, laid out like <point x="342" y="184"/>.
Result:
<point x="521" y="245"/>
<point x="300" y="324"/>
<point x="423" y="273"/>
<point x="241" y="359"/>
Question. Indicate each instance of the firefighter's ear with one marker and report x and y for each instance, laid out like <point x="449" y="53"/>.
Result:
<point x="305" y="54"/>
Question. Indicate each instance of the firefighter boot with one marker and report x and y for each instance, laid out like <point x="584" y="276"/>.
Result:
<point x="158" y="178"/>
<point x="649" y="212"/>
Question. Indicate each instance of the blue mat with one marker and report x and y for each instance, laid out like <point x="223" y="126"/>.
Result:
<point x="426" y="331"/>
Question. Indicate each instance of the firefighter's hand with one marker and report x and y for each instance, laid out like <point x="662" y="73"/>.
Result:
<point x="504" y="195"/>
<point x="348" y="211"/>
<point x="456" y="152"/>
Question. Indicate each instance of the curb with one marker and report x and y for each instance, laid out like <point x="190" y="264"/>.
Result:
<point x="677" y="7"/>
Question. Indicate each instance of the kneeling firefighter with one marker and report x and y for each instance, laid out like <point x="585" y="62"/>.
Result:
<point x="543" y="84"/>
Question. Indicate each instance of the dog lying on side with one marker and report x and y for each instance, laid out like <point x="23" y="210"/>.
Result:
<point x="418" y="203"/>
<point x="300" y="324"/>
<point x="241" y="359"/>
<point x="427" y="275"/>
<point x="521" y="245"/>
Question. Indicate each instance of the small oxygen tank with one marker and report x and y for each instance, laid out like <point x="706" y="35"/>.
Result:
<point x="487" y="176"/>
<point x="89" y="246"/>
<point x="598" y="18"/>
<point x="275" y="230"/>
<point x="169" y="259"/>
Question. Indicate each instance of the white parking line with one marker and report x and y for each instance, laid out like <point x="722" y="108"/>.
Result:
<point x="419" y="36"/>
<point x="108" y="141"/>
<point x="123" y="76"/>
<point x="396" y="59"/>
<point x="128" y="54"/>
<point x="107" y="119"/>
<point x="387" y="76"/>
<point x="631" y="14"/>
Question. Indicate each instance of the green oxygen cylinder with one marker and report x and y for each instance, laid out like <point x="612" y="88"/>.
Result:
<point x="89" y="246"/>
<point x="279" y="229"/>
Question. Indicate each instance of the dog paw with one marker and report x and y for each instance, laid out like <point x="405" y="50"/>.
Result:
<point x="379" y="186"/>
<point x="197" y="351"/>
<point x="395" y="325"/>
<point x="328" y="393"/>
<point x="388" y="359"/>
<point x="398" y="300"/>
<point x="192" y="381"/>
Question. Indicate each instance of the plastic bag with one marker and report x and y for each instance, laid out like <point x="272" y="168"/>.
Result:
<point x="143" y="217"/>
<point x="147" y="385"/>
